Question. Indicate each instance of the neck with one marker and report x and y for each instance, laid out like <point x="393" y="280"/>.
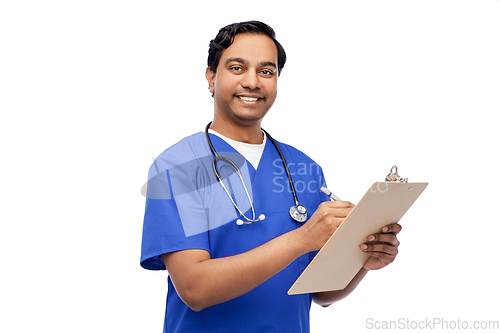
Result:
<point x="247" y="134"/>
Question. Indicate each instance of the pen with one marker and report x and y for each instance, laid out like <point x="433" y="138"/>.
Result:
<point x="330" y="194"/>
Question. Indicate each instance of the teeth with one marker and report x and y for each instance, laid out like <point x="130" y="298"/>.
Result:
<point x="248" y="99"/>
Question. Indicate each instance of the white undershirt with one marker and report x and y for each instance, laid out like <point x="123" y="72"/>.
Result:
<point x="252" y="152"/>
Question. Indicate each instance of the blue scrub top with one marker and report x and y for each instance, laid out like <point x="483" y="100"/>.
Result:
<point x="186" y="208"/>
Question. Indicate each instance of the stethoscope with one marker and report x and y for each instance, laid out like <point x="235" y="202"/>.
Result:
<point x="297" y="212"/>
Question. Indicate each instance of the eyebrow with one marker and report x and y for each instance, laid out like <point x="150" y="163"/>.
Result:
<point x="268" y="63"/>
<point x="243" y="61"/>
<point x="240" y="60"/>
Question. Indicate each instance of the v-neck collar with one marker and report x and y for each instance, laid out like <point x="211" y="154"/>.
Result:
<point x="221" y="145"/>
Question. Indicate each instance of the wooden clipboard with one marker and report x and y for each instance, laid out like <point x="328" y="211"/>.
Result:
<point x="340" y="259"/>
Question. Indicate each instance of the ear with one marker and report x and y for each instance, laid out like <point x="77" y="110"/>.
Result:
<point x="210" y="75"/>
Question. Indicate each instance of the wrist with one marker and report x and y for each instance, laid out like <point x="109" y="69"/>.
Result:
<point x="299" y="241"/>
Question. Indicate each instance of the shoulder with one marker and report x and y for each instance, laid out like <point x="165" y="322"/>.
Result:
<point x="189" y="146"/>
<point x="187" y="150"/>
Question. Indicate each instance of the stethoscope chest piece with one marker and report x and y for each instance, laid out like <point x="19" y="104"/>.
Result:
<point x="298" y="213"/>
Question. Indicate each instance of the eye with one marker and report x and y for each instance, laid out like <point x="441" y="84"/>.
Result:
<point x="267" y="72"/>
<point x="236" y="68"/>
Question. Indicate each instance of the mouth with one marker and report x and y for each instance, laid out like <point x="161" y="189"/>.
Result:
<point x="249" y="98"/>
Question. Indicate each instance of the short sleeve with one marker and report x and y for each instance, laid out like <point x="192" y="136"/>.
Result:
<point x="163" y="232"/>
<point x="175" y="217"/>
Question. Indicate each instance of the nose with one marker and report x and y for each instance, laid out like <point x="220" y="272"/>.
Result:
<point x="250" y="80"/>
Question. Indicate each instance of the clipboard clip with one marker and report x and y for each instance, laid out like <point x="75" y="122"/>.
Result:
<point x="394" y="177"/>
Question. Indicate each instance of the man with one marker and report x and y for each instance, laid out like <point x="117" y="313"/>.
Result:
<point x="233" y="277"/>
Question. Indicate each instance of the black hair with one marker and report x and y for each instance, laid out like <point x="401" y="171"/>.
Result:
<point x="225" y="38"/>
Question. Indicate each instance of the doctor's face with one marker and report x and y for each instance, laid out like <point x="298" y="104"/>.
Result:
<point x="245" y="83"/>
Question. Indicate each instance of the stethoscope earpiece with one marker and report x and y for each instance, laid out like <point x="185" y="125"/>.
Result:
<point x="241" y="222"/>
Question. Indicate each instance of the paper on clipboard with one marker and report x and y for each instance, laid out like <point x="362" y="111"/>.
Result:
<point x="341" y="258"/>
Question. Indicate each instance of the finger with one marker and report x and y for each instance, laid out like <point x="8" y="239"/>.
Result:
<point x="338" y="209"/>
<point x="338" y="204"/>
<point x="384" y="238"/>
<point x="340" y="212"/>
<point x="379" y="248"/>
<point x="387" y="258"/>
<point x="393" y="228"/>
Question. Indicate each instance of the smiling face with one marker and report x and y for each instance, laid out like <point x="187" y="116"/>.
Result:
<point x="245" y="83"/>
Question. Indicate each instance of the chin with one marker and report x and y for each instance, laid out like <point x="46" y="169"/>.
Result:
<point x="250" y="119"/>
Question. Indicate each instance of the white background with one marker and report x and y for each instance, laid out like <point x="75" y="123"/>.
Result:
<point x="91" y="91"/>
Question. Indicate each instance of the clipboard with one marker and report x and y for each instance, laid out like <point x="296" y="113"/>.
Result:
<point x="340" y="259"/>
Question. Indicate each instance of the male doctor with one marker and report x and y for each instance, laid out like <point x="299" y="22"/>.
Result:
<point x="229" y="277"/>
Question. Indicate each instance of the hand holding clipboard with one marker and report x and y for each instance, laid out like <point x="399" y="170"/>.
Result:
<point x="341" y="257"/>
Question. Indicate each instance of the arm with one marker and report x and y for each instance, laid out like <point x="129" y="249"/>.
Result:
<point x="202" y="281"/>
<point x="327" y="298"/>
<point x="382" y="247"/>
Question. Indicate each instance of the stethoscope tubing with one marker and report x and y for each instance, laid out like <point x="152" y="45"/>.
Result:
<point x="290" y="181"/>
<point x="218" y="158"/>
<point x="225" y="159"/>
